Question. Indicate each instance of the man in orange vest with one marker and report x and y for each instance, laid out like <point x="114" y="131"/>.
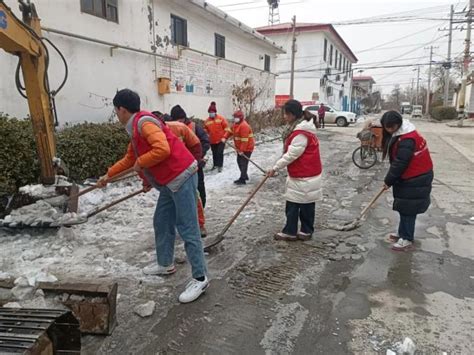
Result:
<point x="244" y="143"/>
<point x="163" y="162"/>
<point x="216" y="126"/>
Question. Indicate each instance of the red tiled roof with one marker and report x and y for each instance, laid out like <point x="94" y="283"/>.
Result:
<point x="307" y="27"/>
<point x="363" y="78"/>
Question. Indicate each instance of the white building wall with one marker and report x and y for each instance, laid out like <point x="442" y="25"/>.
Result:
<point x="96" y="72"/>
<point x="309" y="69"/>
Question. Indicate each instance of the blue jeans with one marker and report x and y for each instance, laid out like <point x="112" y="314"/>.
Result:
<point x="406" y="228"/>
<point x="178" y="210"/>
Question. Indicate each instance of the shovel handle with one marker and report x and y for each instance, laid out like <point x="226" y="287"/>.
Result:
<point x="374" y="199"/>
<point x="241" y="208"/>
<point x="113" y="179"/>
<point x="246" y="157"/>
<point x="116" y="202"/>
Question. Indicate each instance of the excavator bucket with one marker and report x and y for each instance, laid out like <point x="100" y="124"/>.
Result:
<point x="38" y="331"/>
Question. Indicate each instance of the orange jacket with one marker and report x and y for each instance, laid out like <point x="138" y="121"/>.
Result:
<point x="156" y="138"/>
<point x="243" y="136"/>
<point x="216" y="128"/>
<point x="188" y="137"/>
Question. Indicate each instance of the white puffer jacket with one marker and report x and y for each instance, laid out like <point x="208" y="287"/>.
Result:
<point x="300" y="190"/>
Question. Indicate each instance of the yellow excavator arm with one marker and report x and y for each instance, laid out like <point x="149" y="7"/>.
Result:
<point x="23" y="39"/>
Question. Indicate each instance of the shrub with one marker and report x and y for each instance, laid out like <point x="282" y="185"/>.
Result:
<point x="87" y="149"/>
<point x="441" y="113"/>
<point x="266" y="119"/>
<point x="18" y="159"/>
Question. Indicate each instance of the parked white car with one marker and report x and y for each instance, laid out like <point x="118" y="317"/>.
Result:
<point x="340" y="118"/>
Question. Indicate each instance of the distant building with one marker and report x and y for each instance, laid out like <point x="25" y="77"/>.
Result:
<point x="184" y="52"/>
<point x="362" y="93"/>
<point x="364" y="82"/>
<point x="323" y="63"/>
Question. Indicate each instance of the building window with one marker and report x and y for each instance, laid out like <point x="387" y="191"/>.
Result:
<point x="267" y="63"/>
<point x="325" y="49"/>
<point x="219" y="45"/>
<point x="107" y="9"/>
<point x="179" y="31"/>
<point x="344" y="65"/>
<point x="336" y="57"/>
<point x="330" y="55"/>
<point x="340" y="61"/>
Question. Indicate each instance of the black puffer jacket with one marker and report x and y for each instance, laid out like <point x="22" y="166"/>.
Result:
<point x="412" y="196"/>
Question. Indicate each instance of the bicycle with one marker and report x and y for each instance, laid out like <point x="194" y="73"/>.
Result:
<point x="365" y="156"/>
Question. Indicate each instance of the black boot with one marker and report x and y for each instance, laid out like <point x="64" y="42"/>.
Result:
<point x="239" y="182"/>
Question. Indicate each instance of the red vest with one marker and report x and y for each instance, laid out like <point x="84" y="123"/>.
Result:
<point x="167" y="170"/>
<point x="421" y="162"/>
<point x="309" y="163"/>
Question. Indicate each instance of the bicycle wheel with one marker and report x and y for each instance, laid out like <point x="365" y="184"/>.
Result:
<point x="364" y="157"/>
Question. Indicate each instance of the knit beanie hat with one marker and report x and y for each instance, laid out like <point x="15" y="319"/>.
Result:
<point x="212" y="107"/>
<point x="177" y="113"/>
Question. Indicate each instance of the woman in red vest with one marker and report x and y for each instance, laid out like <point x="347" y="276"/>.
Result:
<point x="410" y="175"/>
<point x="303" y="162"/>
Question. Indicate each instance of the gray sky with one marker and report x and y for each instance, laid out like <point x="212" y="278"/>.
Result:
<point x="421" y="33"/>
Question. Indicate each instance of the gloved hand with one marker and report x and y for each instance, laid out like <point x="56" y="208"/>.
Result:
<point x="137" y="167"/>
<point x="103" y="180"/>
<point x="202" y="163"/>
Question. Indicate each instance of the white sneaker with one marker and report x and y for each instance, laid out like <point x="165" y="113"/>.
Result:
<point x="193" y="290"/>
<point x="156" y="269"/>
<point x="402" y="245"/>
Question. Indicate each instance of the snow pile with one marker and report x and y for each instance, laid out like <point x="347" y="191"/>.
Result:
<point x="40" y="213"/>
<point x="38" y="191"/>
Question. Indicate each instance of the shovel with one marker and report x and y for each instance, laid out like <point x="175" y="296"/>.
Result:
<point x="98" y="210"/>
<point x="246" y="157"/>
<point x="220" y="237"/>
<point x="348" y="226"/>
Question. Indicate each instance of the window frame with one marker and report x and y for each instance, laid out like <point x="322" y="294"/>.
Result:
<point x="173" y="20"/>
<point x="330" y="54"/>
<point x="267" y="64"/>
<point x="104" y="12"/>
<point x="219" y="39"/>
<point x="325" y="49"/>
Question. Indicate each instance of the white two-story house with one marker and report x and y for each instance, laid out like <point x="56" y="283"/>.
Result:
<point x="323" y="63"/>
<point x="171" y="52"/>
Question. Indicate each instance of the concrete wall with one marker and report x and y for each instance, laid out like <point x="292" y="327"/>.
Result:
<point x="309" y="69"/>
<point x="96" y="72"/>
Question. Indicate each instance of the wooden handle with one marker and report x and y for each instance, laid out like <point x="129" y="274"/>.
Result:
<point x="374" y="199"/>
<point x="115" y="202"/>
<point x="113" y="179"/>
<point x="241" y="208"/>
<point x="246" y="157"/>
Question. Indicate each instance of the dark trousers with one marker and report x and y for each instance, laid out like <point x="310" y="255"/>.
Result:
<point x="305" y="212"/>
<point x="218" y="155"/>
<point x="243" y="165"/>
<point x="201" y="186"/>
<point x="321" y="122"/>
<point x="406" y="228"/>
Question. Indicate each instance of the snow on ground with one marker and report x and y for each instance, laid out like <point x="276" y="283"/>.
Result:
<point x="119" y="242"/>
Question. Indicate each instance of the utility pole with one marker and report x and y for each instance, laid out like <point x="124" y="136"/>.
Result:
<point x="293" y="53"/>
<point x="417" y="85"/>
<point x="467" y="61"/>
<point x="448" y="65"/>
<point x="428" y="94"/>
<point x="411" y="91"/>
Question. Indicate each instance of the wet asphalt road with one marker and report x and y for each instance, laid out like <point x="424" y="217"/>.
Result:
<point x="340" y="293"/>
